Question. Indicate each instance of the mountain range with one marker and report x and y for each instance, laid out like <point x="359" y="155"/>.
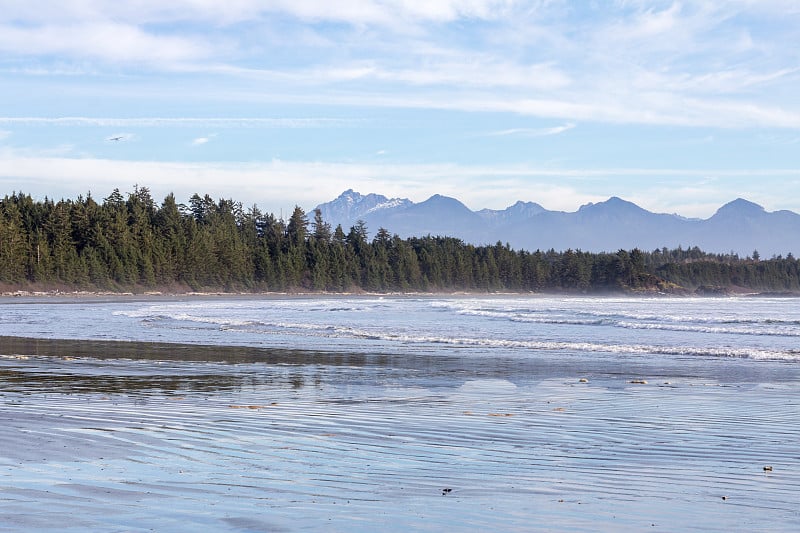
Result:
<point x="739" y="226"/>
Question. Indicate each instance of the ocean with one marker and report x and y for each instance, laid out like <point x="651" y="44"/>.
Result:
<point x="399" y="413"/>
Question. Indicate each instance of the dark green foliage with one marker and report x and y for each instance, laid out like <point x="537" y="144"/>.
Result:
<point x="130" y="242"/>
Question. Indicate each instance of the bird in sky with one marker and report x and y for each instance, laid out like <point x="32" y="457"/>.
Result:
<point x="117" y="138"/>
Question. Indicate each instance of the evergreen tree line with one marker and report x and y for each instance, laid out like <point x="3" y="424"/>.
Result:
<point x="130" y="242"/>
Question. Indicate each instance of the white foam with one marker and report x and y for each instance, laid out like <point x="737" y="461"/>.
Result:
<point x="411" y="323"/>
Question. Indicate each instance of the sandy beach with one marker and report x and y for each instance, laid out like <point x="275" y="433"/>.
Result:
<point x="140" y="436"/>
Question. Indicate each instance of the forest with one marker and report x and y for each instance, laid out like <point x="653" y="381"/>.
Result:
<point x="131" y="243"/>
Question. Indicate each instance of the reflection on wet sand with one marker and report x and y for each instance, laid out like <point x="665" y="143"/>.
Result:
<point x="73" y="366"/>
<point x="25" y="381"/>
<point x="161" y="351"/>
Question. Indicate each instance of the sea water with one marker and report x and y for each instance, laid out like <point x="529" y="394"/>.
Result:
<point x="748" y="327"/>
<point x="397" y="413"/>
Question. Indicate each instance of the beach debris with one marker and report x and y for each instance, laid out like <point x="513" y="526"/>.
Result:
<point x="724" y="498"/>
<point x="559" y="409"/>
<point x="638" y="381"/>
<point x="583" y="380"/>
<point x="446" y="491"/>
<point x="467" y="413"/>
<point x="767" y="468"/>
<point x="501" y="414"/>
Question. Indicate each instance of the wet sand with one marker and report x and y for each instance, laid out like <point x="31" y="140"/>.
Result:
<point x="137" y="436"/>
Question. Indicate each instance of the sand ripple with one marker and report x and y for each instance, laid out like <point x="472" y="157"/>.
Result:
<point x="371" y="446"/>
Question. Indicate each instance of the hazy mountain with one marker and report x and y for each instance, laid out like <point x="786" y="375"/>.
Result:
<point x="438" y="215"/>
<point x="515" y="214"/>
<point x="604" y="226"/>
<point x="740" y="226"/>
<point x="743" y="224"/>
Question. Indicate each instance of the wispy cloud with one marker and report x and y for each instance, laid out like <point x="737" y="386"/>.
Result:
<point x="532" y="132"/>
<point x="4" y="134"/>
<point x="311" y="183"/>
<point x="153" y="122"/>
<point x="484" y="72"/>
<point x="347" y="11"/>
<point x="689" y="63"/>
<point x="105" y="41"/>
<point x="199" y="141"/>
<point x="652" y="109"/>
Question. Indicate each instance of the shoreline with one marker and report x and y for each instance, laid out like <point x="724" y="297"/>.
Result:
<point x="37" y="295"/>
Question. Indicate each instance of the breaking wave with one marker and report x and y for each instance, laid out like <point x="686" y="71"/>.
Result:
<point x="259" y="329"/>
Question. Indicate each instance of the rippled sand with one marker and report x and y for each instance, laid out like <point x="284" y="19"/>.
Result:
<point x="125" y="437"/>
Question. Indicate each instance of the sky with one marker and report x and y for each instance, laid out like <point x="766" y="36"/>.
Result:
<point x="678" y="106"/>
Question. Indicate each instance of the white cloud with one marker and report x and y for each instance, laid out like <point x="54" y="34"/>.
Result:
<point x="138" y="12"/>
<point x="106" y="41"/>
<point x="153" y="122"/>
<point x="480" y="73"/>
<point x="61" y="68"/>
<point x="651" y="108"/>
<point x="199" y="141"/>
<point x="689" y="63"/>
<point x="4" y="134"/>
<point x="556" y="130"/>
<point x="723" y="82"/>
<point x="657" y="109"/>
<point x="274" y="183"/>
<point x="532" y="132"/>
<point x="652" y="23"/>
<point x="393" y="12"/>
<point x="233" y="11"/>
<point x="454" y="71"/>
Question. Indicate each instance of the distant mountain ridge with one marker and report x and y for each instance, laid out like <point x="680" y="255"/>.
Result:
<point x="739" y="226"/>
<point x="351" y="206"/>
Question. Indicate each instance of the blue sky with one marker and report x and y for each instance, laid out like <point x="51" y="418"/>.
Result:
<point x="677" y="106"/>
